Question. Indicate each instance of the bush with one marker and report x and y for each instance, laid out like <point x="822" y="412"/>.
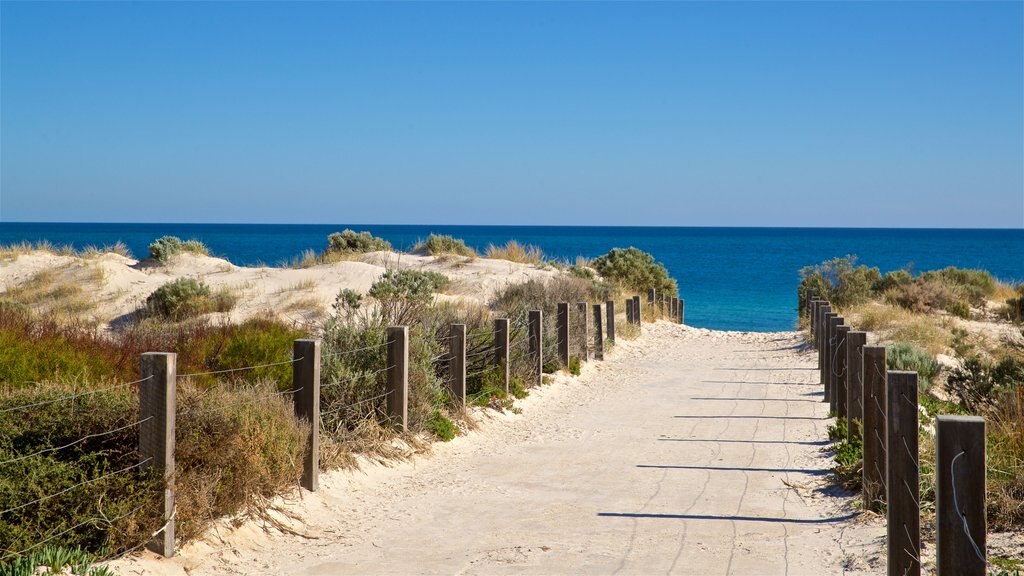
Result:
<point x="893" y="279"/>
<point x="404" y="294"/>
<point x="574" y="366"/>
<point x="980" y="385"/>
<point x="441" y="426"/>
<point x="635" y="270"/>
<point x="351" y="242"/>
<point x="516" y="252"/>
<point x="839" y="280"/>
<point x="905" y="356"/>
<point x="1015" y="306"/>
<point x="187" y="298"/>
<point x="163" y="249"/>
<point x="975" y="285"/>
<point x="436" y="245"/>
<point x="960" y="309"/>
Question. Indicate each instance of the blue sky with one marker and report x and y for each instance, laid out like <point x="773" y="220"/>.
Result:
<point x="690" y="113"/>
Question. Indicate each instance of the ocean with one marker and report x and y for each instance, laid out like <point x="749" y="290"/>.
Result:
<point x="731" y="278"/>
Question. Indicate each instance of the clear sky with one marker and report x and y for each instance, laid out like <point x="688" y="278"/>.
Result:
<point x="690" y="114"/>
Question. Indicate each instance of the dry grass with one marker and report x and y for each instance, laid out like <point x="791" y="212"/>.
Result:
<point x="11" y="252"/>
<point x="63" y="292"/>
<point x="895" y="324"/>
<point x="304" y="285"/>
<point x="307" y="306"/>
<point x="1003" y="291"/>
<point x="515" y="252"/>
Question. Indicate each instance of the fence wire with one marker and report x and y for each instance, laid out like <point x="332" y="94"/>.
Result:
<point x="79" y="441"/>
<point x="228" y="370"/>
<point x="73" y="396"/>
<point x="80" y="484"/>
<point x="959" y="512"/>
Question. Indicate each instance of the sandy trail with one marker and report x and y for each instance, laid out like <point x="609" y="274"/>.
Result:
<point x="687" y="452"/>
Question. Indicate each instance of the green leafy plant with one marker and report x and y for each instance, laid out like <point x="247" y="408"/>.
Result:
<point x="163" y="249"/>
<point x="441" y="426"/>
<point x="404" y="294"/>
<point x="187" y="298"/>
<point x="438" y="244"/>
<point x="906" y="356"/>
<point x="634" y="270"/>
<point x="352" y="242"/>
<point x="574" y="366"/>
<point x="849" y="453"/>
<point x="840" y="280"/>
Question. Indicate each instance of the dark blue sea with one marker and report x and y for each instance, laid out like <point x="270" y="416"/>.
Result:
<point x="731" y="278"/>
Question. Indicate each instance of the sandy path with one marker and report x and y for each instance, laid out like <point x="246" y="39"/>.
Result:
<point x="687" y="452"/>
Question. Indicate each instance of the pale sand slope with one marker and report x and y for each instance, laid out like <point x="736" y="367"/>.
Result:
<point x="687" y="452"/>
<point x="119" y="285"/>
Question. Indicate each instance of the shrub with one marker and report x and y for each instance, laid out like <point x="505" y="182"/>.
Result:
<point x="849" y="453"/>
<point x="634" y="270"/>
<point x="436" y="245"/>
<point x="351" y="242"/>
<point x="960" y="309"/>
<point x="574" y="366"/>
<point x="905" y="356"/>
<point x="516" y="252"/>
<point x="57" y="560"/>
<point x="404" y="294"/>
<point x="187" y="298"/>
<point x="980" y="385"/>
<point x="974" y="284"/>
<point x="441" y="426"/>
<point x="1015" y="306"/>
<point x="163" y="249"/>
<point x="839" y="280"/>
<point x="892" y="280"/>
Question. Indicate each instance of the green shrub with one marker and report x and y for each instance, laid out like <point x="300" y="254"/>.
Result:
<point x="57" y="560"/>
<point x="351" y="242"/>
<point x="187" y="298"/>
<point x="634" y="270"/>
<point x="437" y="244"/>
<point x="960" y="309"/>
<point x="574" y="366"/>
<point x="891" y="280"/>
<point x="839" y="280"/>
<point x="980" y="385"/>
<point x="849" y="453"/>
<point x="404" y="294"/>
<point x="906" y="356"/>
<point x="441" y="426"/>
<point x="975" y="285"/>
<point x="163" y="249"/>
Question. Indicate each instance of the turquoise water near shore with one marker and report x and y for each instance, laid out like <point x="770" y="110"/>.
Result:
<point x="731" y="278"/>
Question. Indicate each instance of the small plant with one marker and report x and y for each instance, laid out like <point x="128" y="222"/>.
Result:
<point x="574" y="366"/>
<point x="56" y="560"/>
<point x="187" y="298"/>
<point x="163" y="249"/>
<point x="960" y="309"/>
<point x="441" y="426"/>
<point x="351" y="242"/>
<point x="906" y="356"/>
<point x="515" y="252"/>
<point x="404" y="294"/>
<point x="849" y="453"/>
<point x="437" y="245"/>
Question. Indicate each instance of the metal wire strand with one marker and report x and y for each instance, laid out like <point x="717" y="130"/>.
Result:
<point x="354" y="350"/>
<point x="292" y="361"/>
<point x="359" y="377"/>
<point x="66" y="490"/>
<point x="73" y="396"/>
<point x="956" y="506"/>
<point x="913" y="458"/>
<point x="354" y="404"/>
<point x="79" y="441"/>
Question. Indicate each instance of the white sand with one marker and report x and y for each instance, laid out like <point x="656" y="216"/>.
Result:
<point x="687" y="452"/>
<point x="121" y="285"/>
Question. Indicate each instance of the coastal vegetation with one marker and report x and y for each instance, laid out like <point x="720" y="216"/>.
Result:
<point x="960" y="331"/>
<point x="165" y="248"/>
<point x="443" y="245"/>
<point x="69" y="461"/>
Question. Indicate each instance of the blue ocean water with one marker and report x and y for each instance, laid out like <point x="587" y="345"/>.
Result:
<point x="731" y="278"/>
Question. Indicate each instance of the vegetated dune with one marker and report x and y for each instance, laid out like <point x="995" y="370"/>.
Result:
<point x="110" y="287"/>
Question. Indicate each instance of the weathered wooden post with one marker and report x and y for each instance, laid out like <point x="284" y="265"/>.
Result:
<point x="536" y="345"/>
<point x="609" y="308"/>
<point x="682" y="311"/>
<point x="855" y="341"/>
<point x="457" y="362"/>
<point x="830" y="346"/>
<point x="652" y="294"/>
<point x="629" y="311"/>
<point x="673" y="309"/>
<point x="583" y="340"/>
<point x="563" y="333"/>
<point x="903" y="522"/>
<point x="157" y="398"/>
<point x="840" y="390"/>
<point x="501" y="349"/>
<point x="961" y="524"/>
<point x="812" y="321"/>
<point x="874" y="427"/>
<point x="819" y="328"/>
<point x="398" y="376"/>
<point x="598" y="334"/>
<point x="637" y="311"/>
<point x="306" y="396"/>
<point x="661" y="304"/>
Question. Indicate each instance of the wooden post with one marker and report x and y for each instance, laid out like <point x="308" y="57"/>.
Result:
<point x="629" y="311"/>
<point x="457" y="362"/>
<point x="820" y="329"/>
<point x="157" y="397"/>
<point x="501" y="349"/>
<point x="682" y="311"/>
<point x="306" y="396"/>
<point x="609" y="308"/>
<point x="812" y="321"/>
<point x="637" y="311"/>
<point x="903" y="525"/>
<point x="840" y="390"/>
<point x="855" y="341"/>
<point x="563" y="333"/>
<point x="583" y="340"/>
<point x="874" y="427"/>
<point x="535" y="332"/>
<point x="661" y="304"/>
<point x="830" y="345"/>
<point x="398" y="376"/>
<point x="960" y="519"/>
<point x="598" y="334"/>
